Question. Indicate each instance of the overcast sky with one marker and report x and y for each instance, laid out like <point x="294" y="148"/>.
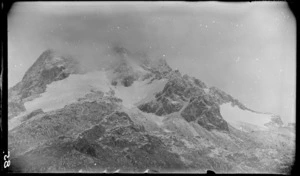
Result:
<point x="246" y="49"/>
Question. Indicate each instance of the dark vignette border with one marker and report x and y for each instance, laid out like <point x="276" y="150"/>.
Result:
<point x="292" y="6"/>
<point x="4" y="84"/>
<point x="5" y="7"/>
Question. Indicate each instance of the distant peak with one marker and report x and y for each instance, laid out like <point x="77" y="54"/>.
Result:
<point x="47" y="60"/>
<point x="48" y="52"/>
<point x="120" y="50"/>
<point x="51" y="54"/>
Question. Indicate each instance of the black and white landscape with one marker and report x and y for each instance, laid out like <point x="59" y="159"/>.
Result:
<point x="151" y="87"/>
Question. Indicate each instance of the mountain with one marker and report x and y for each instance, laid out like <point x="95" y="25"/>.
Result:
<point x="49" y="67"/>
<point x="137" y="115"/>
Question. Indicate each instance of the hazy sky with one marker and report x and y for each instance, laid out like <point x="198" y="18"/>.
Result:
<point x="246" y="49"/>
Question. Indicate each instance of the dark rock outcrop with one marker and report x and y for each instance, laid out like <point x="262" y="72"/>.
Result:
<point x="222" y="97"/>
<point x="171" y="99"/>
<point x="201" y="107"/>
<point x="205" y="112"/>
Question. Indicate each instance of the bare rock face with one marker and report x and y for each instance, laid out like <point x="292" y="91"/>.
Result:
<point x="132" y="67"/>
<point x="201" y="107"/>
<point x="219" y="95"/>
<point x="205" y="112"/>
<point x="171" y="99"/>
<point x="222" y="97"/>
<point x="161" y="107"/>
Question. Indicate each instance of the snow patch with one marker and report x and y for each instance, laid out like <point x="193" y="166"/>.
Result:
<point x="174" y="102"/>
<point x="63" y="92"/>
<point x="206" y="90"/>
<point x="138" y="91"/>
<point x="236" y="116"/>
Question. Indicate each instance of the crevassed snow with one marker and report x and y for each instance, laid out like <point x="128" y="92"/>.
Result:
<point x="63" y="92"/>
<point x="138" y="91"/>
<point x="234" y="115"/>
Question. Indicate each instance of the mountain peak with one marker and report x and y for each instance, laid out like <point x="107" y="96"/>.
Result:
<point x="120" y="51"/>
<point x="50" y="66"/>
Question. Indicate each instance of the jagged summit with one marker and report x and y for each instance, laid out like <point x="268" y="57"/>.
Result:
<point x="136" y="66"/>
<point x="49" y="67"/>
<point x="178" y="94"/>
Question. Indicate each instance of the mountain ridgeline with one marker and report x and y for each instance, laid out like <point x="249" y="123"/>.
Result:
<point x="136" y="115"/>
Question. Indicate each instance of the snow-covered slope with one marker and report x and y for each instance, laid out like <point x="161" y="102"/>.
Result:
<point x="138" y="91"/>
<point x="236" y="117"/>
<point x="63" y="92"/>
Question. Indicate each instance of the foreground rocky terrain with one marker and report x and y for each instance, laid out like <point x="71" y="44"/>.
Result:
<point x="135" y="116"/>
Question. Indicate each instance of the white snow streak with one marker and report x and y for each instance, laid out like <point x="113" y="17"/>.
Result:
<point x="234" y="115"/>
<point x="63" y="92"/>
<point x="138" y="91"/>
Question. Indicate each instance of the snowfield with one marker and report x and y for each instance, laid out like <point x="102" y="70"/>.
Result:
<point x="63" y="92"/>
<point x="138" y="91"/>
<point x="236" y="116"/>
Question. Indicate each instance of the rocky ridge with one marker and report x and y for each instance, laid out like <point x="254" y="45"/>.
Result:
<point x="178" y="129"/>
